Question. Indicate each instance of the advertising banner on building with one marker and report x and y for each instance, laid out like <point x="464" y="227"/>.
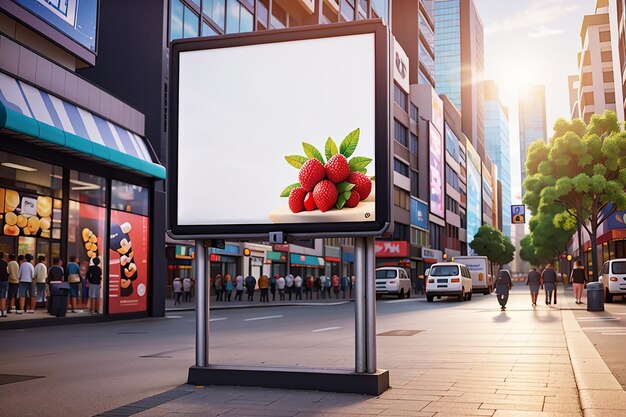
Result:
<point x="436" y="172"/>
<point x="474" y="195"/>
<point x="419" y="213"/>
<point x="308" y="115"/>
<point x="393" y="249"/>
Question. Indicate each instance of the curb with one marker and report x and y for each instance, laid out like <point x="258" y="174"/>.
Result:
<point x="599" y="392"/>
<point x="265" y="305"/>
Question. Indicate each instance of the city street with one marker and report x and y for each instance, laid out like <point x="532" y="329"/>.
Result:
<point x="451" y="359"/>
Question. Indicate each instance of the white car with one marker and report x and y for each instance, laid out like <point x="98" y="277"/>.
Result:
<point x="393" y="281"/>
<point x="613" y="277"/>
<point x="449" y="279"/>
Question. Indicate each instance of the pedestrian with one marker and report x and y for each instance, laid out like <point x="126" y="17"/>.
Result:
<point x="4" y="285"/>
<point x="335" y="282"/>
<point x="273" y="280"/>
<point x="41" y="274"/>
<point x="264" y="284"/>
<point x="228" y="287"/>
<point x="297" y="284"/>
<point x="187" y="284"/>
<point x="84" y="282"/>
<point x="94" y="278"/>
<point x="280" y="283"/>
<point x="548" y="280"/>
<point x="579" y="278"/>
<point x="503" y="286"/>
<point x="73" y="277"/>
<point x="218" y="287"/>
<point x="27" y="287"/>
<point x="239" y="287"/>
<point x="318" y="286"/>
<point x="308" y="287"/>
<point x="328" y="282"/>
<point x="177" y="287"/>
<point x="345" y="284"/>
<point x="250" y="284"/>
<point x="533" y="281"/>
<point x="289" y="285"/>
<point x="13" y="269"/>
<point x="56" y="272"/>
<point x="352" y="279"/>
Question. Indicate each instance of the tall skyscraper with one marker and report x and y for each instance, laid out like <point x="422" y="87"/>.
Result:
<point x="617" y="21"/>
<point x="532" y="121"/>
<point x="459" y="66"/>
<point x="498" y="147"/>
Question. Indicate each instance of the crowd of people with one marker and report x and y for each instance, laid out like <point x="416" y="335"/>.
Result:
<point x="23" y="282"/>
<point x="290" y="288"/>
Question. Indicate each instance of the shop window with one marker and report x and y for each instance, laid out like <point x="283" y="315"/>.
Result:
<point x="128" y="262"/>
<point x="129" y="197"/>
<point x="30" y="175"/>
<point x="87" y="188"/>
<point x="26" y="214"/>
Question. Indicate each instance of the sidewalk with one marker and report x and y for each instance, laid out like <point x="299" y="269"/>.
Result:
<point x="482" y="362"/>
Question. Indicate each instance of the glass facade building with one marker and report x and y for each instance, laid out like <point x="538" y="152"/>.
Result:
<point x="448" y="49"/>
<point x="532" y="122"/>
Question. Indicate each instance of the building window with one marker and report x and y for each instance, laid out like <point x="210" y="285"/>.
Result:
<point x="400" y="133"/>
<point x="436" y="235"/>
<point x="238" y="18"/>
<point x="609" y="98"/>
<point x="606" y="56"/>
<point x="605" y="36"/>
<point x="215" y="10"/>
<point x="419" y="237"/>
<point x="414" y="184"/>
<point x="400" y="167"/>
<point x="607" y="76"/>
<point x="400" y="97"/>
<point x="279" y="17"/>
<point x="413" y="144"/>
<point x="401" y="198"/>
<point x="401" y="231"/>
<point x="414" y="112"/>
<point x="347" y="10"/>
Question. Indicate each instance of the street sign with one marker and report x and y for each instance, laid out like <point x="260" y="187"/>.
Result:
<point x="518" y="214"/>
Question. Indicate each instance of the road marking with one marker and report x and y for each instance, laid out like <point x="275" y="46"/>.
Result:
<point x="264" y="318"/>
<point x="404" y="300"/>
<point x="218" y="319"/>
<point x="613" y="334"/>
<point x="173" y="317"/>
<point x="585" y="319"/>
<point x="326" y="329"/>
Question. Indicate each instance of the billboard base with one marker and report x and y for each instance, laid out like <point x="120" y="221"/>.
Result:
<point x="329" y="380"/>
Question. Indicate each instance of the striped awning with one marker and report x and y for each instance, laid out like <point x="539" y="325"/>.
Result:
<point x="32" y="112"/>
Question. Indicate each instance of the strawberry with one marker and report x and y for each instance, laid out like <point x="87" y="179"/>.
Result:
<point x="311" y="173"/>
<point x="362" y="184"/>
<point x="296" y="199"/>
<point x="337" y="168"/>
<point x="354" y="199"/>
<point x="325" y="195"/>
<point x="309" y="202"/>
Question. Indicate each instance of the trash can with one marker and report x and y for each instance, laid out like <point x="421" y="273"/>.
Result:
<point x="57" y="305"/>
<point x="595" y="296"/>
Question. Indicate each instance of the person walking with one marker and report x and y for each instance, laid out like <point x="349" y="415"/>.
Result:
<point x="13" y="269"/>
<point x="345" y="284"/>
<point x="264" y="283"/>
<point x="328" y="283"/>
<point x="177" y="287"/>
<point x="187" y="285"/>
<point x="218" y="287"/>
<point x="228" y="287"/>
<point x="533" y="281"/>
<point x="308" y="287"/>
<point x="250" y="284"/>
<point x="4" y="285"/>
<point x="297" y="284"/>
<point x="318" y="286"/>
<point x="94" y="277"/>
<point x="323" y="286"/>
<point x="73" y="277"/>
<point x="280" y="283"/>
<point x="335" y="283"/>
<point x="273" y="280"/>
<point x="28" y="287"/>
<point x="503" y="286"/>
<point x="548" y="280"/>
<point x="579" y="278"/>
<point x="289" y="285"/>
<point x="239" y="287"/>
<point x="41" y="274"/>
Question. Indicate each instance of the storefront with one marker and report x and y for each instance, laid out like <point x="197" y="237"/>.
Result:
<point x="225" y="261"/>
<point x="179" y="264"/>
<point x="73" y="184"/>
<point x="332" y="258"/>
<point x="306" y="265"/>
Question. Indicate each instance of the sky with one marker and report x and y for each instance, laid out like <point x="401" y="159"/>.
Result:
<point x="532" y="42"/>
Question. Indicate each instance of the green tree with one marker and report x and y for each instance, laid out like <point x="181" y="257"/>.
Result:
<point x="579" y="176"/>
<point x="508" y="253"/>
<point x="490" y="242"/>
<point x="546" y="241"/>
<point x="527" y="251"/>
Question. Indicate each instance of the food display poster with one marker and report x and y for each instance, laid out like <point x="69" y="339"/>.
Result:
<point x="128" y="263"/>
<point x="27" y="214"/>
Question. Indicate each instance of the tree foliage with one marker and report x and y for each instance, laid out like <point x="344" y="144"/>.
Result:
<point x="490" y="242"/>
<point x="546" y="241"/>
<point x="578" y="177"/>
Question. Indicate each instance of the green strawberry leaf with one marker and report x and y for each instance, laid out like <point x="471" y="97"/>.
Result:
<point x="341" y="201"/>
<point x="312" y="152"/>
<point x="346" y="194"/>
<point x="359" y="162"/>
<point x="373" y="178"/>
<point x="296" y="161"/>
<point x="362" y="171"/>
<point x="348" y="145"/>
<point x="288" y="189"/>
<point x="344" y="186"/>
<point x="330" y="148"/>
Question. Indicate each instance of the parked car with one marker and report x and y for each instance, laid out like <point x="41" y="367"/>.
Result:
<point x="449" y="279"/>
<point x="393" y="281"/>
<point x="613" y="277"/>
<point x="482" y="280"/>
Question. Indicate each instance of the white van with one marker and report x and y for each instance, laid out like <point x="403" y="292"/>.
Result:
<point x="449" y="279"/>
<point x="482" y="280"/>
<point x="613" y="277"/>
<point x="393" y="281"/>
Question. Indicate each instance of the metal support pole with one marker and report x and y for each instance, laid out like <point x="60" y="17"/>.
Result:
<point x="202" y="306"/>
<point x="359" y="304"/>
<point x="370" y="305"/>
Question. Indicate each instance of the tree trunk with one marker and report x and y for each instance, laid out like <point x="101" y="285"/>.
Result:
<point x="580" y="242"/>
<point x="594" y="252"/>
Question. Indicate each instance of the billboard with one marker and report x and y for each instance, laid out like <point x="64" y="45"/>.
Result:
<point x="518" y="214"/>
<point x="436" y="172"/>
<point x="419" y="214"/>
<point x="288" y="131"/>
<point x="474" y="195"/>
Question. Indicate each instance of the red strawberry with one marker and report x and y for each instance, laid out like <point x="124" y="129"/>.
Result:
<point x="309" y="203"/>
<point x="337" y="168"/>
<point x="354" y="199"/>
<point x="325" y="195"/>
<point x="311" y="173"/>
<point x="296" y="199"/>
<point x="362" y="184"/>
